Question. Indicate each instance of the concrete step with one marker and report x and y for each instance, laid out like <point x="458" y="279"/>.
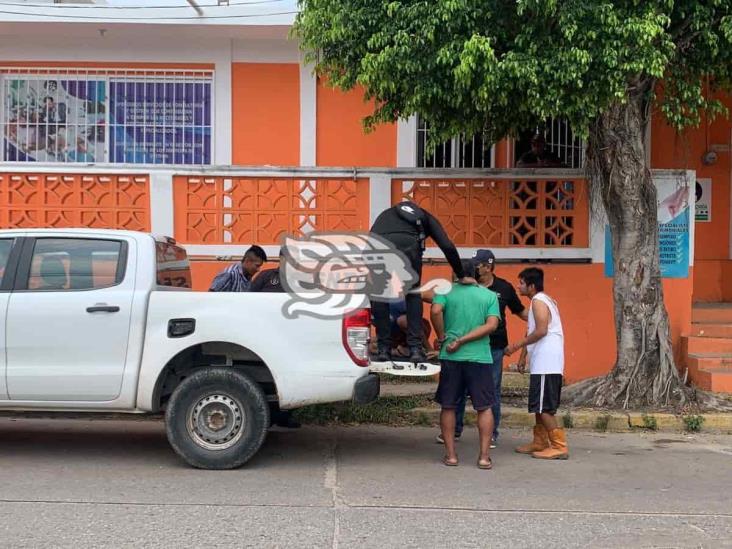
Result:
<point x="709" y="361"/>
<point x="720" y="313"/>
<point x="711" y="329"/>
<point x="716" y="345"/>
<point x="715" y="380"/>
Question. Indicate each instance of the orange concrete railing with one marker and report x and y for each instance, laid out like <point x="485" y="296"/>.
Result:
<point x="232" y="210"/>
<point x="244" y="206"/>
<point x="75" y="200"/>
<point x="520" y="212"/>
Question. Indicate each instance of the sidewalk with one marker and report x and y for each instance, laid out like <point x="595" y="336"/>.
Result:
<point x="514" y="413"/>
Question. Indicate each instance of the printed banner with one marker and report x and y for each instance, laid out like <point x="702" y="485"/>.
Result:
<point x="159" y="122"/>
<point x="54" y="120"/>
<point x="673" y="230"/>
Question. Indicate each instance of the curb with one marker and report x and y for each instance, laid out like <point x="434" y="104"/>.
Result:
<point x="593" y="420"/>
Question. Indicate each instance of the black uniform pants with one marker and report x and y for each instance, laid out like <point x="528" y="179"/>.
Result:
<point x="380" y="309"/>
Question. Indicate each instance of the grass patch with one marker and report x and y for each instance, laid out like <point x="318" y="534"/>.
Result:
<point x="693" y="422"/>
<point x="567" y="420"/>
<point x="383" y="411"/>
<point x="602" y="422"/>
<point x="649" y="422"/>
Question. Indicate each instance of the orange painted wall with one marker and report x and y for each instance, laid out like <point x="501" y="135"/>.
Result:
<point x="341" y="140"/>
<point x="265" y="111"/>
<point x="584" y="295"/>
<point x="684" y="151"/>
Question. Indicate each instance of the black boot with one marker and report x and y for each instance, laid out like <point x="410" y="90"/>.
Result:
<point x="416" y="354"/>
<point x="383" y="355"/>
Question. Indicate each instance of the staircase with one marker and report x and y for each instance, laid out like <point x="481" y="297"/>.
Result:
<point x="708" y="348"/>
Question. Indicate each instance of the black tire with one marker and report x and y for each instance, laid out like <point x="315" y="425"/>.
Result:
<point x="225" y="393"/>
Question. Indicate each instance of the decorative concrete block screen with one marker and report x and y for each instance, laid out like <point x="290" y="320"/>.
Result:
<point x="74" y="200"/>
<point x="233" y="210"/>
<point x="504" y="212"/>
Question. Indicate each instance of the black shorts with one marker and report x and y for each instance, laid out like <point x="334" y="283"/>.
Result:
<point x="457" y="376"/>
<point x="545" y="391"/>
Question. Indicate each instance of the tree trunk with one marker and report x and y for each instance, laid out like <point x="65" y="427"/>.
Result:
<point x="644" y="372"/>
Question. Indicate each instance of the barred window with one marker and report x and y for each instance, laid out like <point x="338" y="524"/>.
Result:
<point x="458" y="152"/>
<point x="150" y="116"/>
<point x="560" y="140"/>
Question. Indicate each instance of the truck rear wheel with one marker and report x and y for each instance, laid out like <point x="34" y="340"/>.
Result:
<point x="217" y="419"/>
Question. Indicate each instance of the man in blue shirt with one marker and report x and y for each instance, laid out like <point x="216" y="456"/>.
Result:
<point x="238" y="277"/>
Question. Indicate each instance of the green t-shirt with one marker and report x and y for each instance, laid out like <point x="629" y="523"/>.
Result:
<point x="467" y="307"/>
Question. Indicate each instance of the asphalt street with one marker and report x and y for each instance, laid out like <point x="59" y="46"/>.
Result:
<point x="116" y="483"/>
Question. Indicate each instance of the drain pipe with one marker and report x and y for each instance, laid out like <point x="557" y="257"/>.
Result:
<point x="195" y="6"/>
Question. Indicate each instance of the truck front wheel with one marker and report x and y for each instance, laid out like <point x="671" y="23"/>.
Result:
<point x="217" y="419"/>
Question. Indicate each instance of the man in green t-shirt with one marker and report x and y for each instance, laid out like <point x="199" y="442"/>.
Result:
<point x="463" y="320"/>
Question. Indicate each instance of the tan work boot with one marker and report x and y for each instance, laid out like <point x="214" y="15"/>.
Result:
<point x="558" y="446"/>
<point x="540" y="442"/>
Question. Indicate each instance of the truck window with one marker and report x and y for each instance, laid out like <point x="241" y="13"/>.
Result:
<point x="5" y="246"/>
<point x="61" y="264"/>
<point x="173" y="268"/>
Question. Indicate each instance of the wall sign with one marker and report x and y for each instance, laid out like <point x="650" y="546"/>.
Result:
<point x="674" y="220"/>
<point x="703" y="192"/>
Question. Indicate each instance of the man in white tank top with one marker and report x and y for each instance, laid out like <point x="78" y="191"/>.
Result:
<point x="544" y="345"/>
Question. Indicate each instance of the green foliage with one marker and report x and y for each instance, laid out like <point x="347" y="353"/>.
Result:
<point x="567" y="420"/>
<point x="649" y="422"/>
<point x="693" y="422"/>
<point x="602" y="422"/>
<point x="499" y="67"/>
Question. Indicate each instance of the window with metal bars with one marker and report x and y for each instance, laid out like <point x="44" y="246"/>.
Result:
<point x="118" y="116"/>
<point x="458" y="152"/>
<point x="560" y="140"/>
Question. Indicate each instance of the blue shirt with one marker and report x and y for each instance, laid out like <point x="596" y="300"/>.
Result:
<point x="231" y="279"/>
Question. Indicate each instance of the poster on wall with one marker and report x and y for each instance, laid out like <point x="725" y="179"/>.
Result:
<point x="154" y="122"/>
<point x="703" y="191"/>
<point x="673" y="229"/>
<point x="54" y="120"/>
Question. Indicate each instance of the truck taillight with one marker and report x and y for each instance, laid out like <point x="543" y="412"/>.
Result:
<point x="356" y="333"/>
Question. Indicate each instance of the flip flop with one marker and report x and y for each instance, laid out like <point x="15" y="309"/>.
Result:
<point x="448" y="462"/>
<point x="485" y="465"/>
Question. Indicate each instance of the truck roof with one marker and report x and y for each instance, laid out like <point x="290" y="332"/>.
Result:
<point x="86" y="231"/>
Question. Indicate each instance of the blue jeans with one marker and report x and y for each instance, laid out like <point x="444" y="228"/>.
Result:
<point x="497" y="368"/>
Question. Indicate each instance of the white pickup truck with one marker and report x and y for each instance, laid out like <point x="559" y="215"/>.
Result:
<point x="105" y="321"/>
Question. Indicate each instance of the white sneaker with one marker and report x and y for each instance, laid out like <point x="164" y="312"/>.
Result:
<point x="494" y="443"/>
<point x="440" y="440"/>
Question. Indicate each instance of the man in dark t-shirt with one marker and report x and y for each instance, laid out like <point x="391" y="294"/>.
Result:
<point x="267" y="281"/>
<point x="507" y="298"/>
<point x="539" y="156"/>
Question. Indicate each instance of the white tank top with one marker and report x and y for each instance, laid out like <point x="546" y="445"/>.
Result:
<point x="546" y="356"/>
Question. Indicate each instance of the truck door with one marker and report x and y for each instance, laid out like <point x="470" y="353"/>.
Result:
<point x="7" y="266"/>
<point x="68" y="318"/>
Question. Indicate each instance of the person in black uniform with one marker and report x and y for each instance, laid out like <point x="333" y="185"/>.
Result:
<point x="407" y="227"/>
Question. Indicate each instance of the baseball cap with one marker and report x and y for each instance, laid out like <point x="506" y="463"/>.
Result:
<point x="484" y="256"/>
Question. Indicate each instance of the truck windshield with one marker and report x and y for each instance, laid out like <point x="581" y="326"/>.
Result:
<point x="173" y="268"/>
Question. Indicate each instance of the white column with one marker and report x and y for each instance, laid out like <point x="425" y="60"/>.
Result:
<point x="379" y="195"/>
<point x="222" y="106"/>
<point x="407" y="142"/>
<point x="161" y="203"/>
<point x="597" y="235"/>
<point x="308" y="115"/>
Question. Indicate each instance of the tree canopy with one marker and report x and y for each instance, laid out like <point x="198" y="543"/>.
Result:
<point x="499" y="66"/>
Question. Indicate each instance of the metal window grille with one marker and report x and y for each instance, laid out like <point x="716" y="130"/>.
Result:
<point x="459" y="152"/>
<point x="117" y="116"/>
<point x="562" y="141"/>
